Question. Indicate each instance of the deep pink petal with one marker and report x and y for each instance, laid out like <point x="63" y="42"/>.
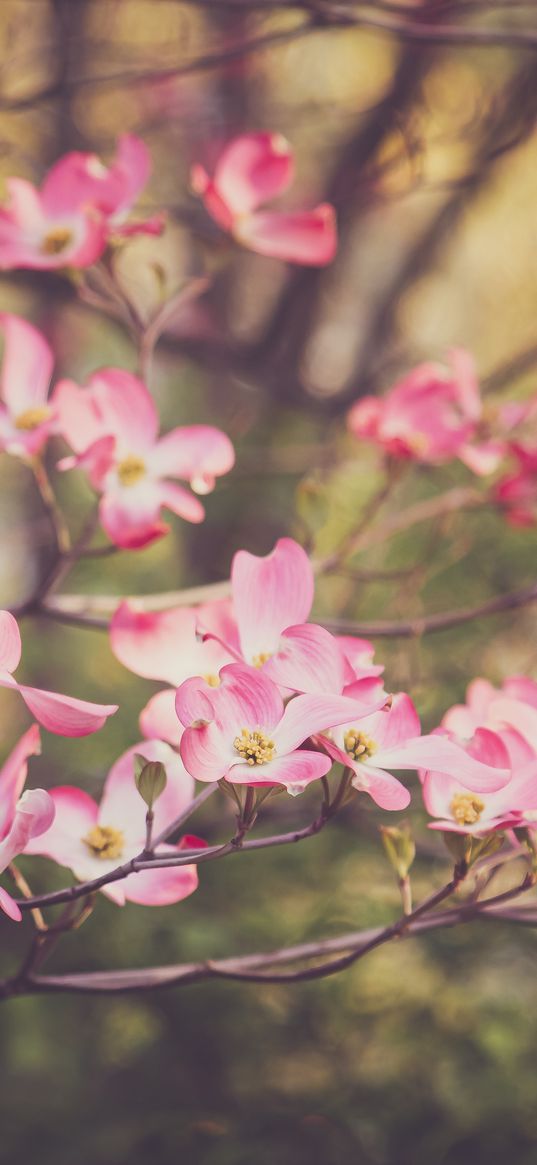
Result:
<point x="203" y="755"/>
<point x="63" y="715"/>
<point x="164" y="886"/>
<point x="33" y="816"/>
<point x="9" y="906"/>
<point x="10" y="642"/>
<point x="26" y="366"/>
<point x="252" y="169"/>
<point x="194" y="700"/>
<point x="78" y="417"/>
<point x="13" y="775"/>
<point x="131" y="516"/>
<point x="386" y="791"/>
<point x="270" y="594"/>
<point x="305" y="237"/>
<point x="82" y="179"/>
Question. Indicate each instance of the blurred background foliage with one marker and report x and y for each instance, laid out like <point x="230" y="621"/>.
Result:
<point x="426" y="1051"/>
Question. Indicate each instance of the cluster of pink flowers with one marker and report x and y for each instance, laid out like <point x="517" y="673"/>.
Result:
<point x="436" y="414"/>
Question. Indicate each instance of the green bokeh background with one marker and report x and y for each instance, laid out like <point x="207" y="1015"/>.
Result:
<point x="426" y="1050"/>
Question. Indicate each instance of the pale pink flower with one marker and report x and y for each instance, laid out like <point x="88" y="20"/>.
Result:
<point x="21" y="817"/>
<point x="251" y="170"/>
<point x="514" y="705"/>
<point x="92" y="840"/>
<point x="461" y="811"/>
<point x="241" y="732"/>
<point x="26" y="416"/>
<point x="391" y="739"/>
<point x="112" y="425"/>
<point x="430" y="416"/>
<point x="516" y="493"/>
<point x="63" y="715"/>
<point x="68" y="221"/>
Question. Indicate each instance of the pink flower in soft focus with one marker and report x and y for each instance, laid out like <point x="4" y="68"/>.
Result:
<point x="113" y="427"/>
<point x="21" y="817"/>
<point x="92" y="839"/>
<point x="63" y="715"/>
<point x="516" y="493"/>
<point x="251" y="170"/>
<point x="461" y="811"/>
<point x="241" y="731"/>
<point x="67" y="222"/>
<point x="514" y="705"/>
<point x="25" y="415"/>
<point x="430" y="416"/>
<point x="390" y="739"/>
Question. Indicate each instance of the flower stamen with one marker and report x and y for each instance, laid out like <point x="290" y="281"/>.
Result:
<point x="105" y="842"/>
<point x="56" y="241"/>
<point x="33" y="417"/>
<point x="466" y="808"/>
<point x="357" y="745"/>
<point x="255" y="747"/>
<point x="263" y="657"/>
<point x="131" y="469"/>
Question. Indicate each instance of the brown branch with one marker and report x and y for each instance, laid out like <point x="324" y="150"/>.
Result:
<point x="409" y="629"/>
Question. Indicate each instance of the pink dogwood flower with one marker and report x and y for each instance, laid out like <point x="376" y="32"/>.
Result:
<point x="391" y="739"/>
<point x="514" y="706"/>
<point x="81" y="203"/>
<point x="241" y="732"/>
<point x="26" y="416"/>
<point x="63" y="715"/>
<point x="92" y="840"/>
<point x="516" y="493"/>
<point x="430" y="416"/>
<point x="112" y="425"/>
<point x="251" y="170"/>
<point x="461" y="811"/>
<point x="22" y="817"/>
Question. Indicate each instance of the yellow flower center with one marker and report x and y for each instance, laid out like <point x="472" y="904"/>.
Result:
<point x="32" y="418"/>
<point x="212" y="680"/>
<point x="131" y="469"/>
<point x="104" y="842"/>
<point x="259" y="660"/>
<point x="466" y="808"/>
<point x="357" y="745"/>
<point x="255" y="747"/>
<point x="56" y="241"/>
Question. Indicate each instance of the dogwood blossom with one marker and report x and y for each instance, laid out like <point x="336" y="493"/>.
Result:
<point x="21" y="817"/>
<point x="63" y="715"/>
<point x="112" y="425"/>
<point x="241" y="732"/>
<point x="92" y="839"/>
<point x="251" y="170"/>
<point x="429" y="416"/>
<point x="81" y="203"/>
<point x="26" y="416"/>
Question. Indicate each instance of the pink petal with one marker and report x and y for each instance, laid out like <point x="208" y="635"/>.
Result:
<point x="164" y="886"/>
<point x="308" y="660"/>
<point x="159" y="720"/>
<point x="26" y="367"/>
<point x="521" y="688"/>
<point x="307" y="237"/>
<point x="194" y="700"/>
<point x="295" y="771"/>
<point x="181" y="502"/>
<point x="307" y="715"/>
<point x="252" y="169"/>
<point x="79" y="418"/>
<point x="33" y="816"/>
<point x="126" y="408"/>
<point x="121" y="805"/>
<point x="81" y="179"/>
<point x="63" y="715"/>
<point x="75" y="814"/>
<point x="131" y="515"/>
<point x="386" y="791"/>
<point x="10" y="642"/>
<point x="97" y="461"/>
<point x="197" y="453"/>
<point x="218" y="620"/>
<point x="203" y="755"/>
<point x="445" y="756"/>
<point x="9" y="906"/>
<point x="270" y="594"/>
<point x="13" y="775"/>
<point x="160" y="645"/>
